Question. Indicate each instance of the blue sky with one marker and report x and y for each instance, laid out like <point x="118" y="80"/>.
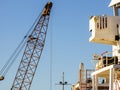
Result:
<point x="69" y="26"/>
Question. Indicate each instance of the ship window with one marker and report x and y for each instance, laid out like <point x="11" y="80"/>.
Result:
<point x="106" y="22"/>
<point x="103" y="22"/>
<point x="100" y="23"/>
<point x="97" y="25"/>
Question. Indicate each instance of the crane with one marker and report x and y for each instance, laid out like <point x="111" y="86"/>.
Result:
<point x="32" y="53"/>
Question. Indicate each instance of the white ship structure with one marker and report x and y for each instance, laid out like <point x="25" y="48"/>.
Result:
<point x="106" y="76"/>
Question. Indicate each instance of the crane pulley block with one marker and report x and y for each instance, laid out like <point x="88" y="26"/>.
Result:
<point x="47" y="9"/>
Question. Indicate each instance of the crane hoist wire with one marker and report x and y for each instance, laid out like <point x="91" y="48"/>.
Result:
<point x="16" y="52"/>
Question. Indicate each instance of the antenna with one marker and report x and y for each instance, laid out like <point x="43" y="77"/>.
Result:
<point x="63" y="83"/>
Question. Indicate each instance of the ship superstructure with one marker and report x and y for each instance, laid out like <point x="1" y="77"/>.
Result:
<point x="106" y="30"/>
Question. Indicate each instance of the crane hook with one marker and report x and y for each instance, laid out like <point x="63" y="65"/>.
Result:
<point x="1" y="78"/>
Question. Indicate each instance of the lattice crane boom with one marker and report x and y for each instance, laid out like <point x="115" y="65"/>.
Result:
<point x="32" y="52"/>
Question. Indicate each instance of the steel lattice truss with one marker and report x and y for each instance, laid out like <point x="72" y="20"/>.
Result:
<point x="32" y="52"/>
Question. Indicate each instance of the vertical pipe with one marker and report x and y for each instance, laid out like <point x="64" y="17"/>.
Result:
<point x="111" y="79"/>
<point x="115" y="11"/>
<point x="96" y="82"/>
<point x="93" y="82"/>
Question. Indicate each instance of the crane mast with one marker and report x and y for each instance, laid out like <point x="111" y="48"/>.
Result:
<point x="32" y="53"/>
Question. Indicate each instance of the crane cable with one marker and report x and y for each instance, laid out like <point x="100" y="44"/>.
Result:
<point x="13" y="57"/>
<point x="17" y="51"/>
<point x="51" y="55"/>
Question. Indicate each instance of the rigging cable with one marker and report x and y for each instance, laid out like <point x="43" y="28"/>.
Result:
<point x="8" y="63"/>
<point x="17" y="51"/>
<point x="51" y="57"/>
